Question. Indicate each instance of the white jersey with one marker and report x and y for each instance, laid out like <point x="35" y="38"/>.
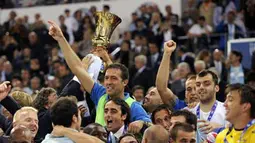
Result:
<point x="219" y="117"/>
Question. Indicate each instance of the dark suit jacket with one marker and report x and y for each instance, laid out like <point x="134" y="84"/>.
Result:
<point x="223" y="75"/>
<point x="156" y="65"/>
<point x="145" y="79"/>
<point x="190" y="61"/>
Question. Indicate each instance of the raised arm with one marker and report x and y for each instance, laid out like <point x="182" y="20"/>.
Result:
<point x="71" y="58"/>
<point x="165" y="93"/>
<point x="77" y="137"/>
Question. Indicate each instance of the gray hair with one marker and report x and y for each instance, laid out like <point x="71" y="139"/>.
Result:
<point x="201" y="63"/>
<point x="141" y="58"/>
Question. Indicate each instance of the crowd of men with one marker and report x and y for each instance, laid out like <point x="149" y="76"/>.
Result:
<point x="154" y="90"/>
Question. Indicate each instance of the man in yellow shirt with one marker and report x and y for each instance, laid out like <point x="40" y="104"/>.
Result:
<point x="240" y="112"/>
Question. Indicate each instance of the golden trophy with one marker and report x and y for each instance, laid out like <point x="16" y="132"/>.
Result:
<point x="105" y="24"/>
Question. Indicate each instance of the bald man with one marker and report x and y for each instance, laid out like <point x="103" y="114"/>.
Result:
<point x="155" y="134"/>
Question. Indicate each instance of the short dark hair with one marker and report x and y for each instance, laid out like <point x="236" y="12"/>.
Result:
<point x="247" y="94"/>
<point x="251" y="77"/>
<point x="189" y="117"/>
<point x="127" y="135"/>
<point x="125" y="109"/>
<point x="159" y="108"/>
<point x="122" y="68"/>
<point x="136" y="88"/>
<point x="107" y="7"/>
<point x="204" y="73"/>
<point x="63" y="110"/>
<point x="41" y="98"/>
<point x="201" y="18"/>
<point x="180" y="126"/>
<point x="238" y="54"/>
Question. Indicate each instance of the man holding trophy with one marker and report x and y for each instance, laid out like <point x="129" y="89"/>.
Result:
<point x="116" y="75"/>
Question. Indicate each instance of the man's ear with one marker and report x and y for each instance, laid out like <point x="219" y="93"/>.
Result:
<point x="75" y="119"/>
<point x="217" y="88"/>
<point x="124" y="117"/>
<point x="125" y="82"/>
<point x="246" y="107"/>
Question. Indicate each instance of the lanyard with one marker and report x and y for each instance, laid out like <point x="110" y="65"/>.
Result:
<point x="111" y="137"/>
<point x="252" y="122"/>
<point x="211" y="113"/>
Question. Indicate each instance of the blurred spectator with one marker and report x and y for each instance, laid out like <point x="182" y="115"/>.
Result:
<point x="4" y="75"/>
<point x="232" y="30"/>
<point x="85" y="46"/>
<point x="200" y="33"/>
<point x="10" y="22"/>
<point x="132" y="26"/>
<point x="206" y="9"/>
<point x="138" y="93"/>
<point x="174" y="18"/>
<point x="126" y="55"/>
<point x="236" y="72"/>
<point x="138" y="47"/>
<point x="139" y="75"/>
<point x="185" y="56"/>
<point x="86" y="25"/>
<point x="199" y="66"/>
<point x="63" y="27"/>
<point x="141" y="29"/>
<point x="154" y="57"/>
<point x="71" y="24"/>
<point x="178" y="87"/>
<point x="35" y="84"/>
<point x="25" y="75"/>
<point x="219" y="64"/>
<point x="249" y="13"/>
<point x="9" y="46"/>
<point x="189" y="15"/>
<point x="155" y="23"/>
<point x="62" y="72"/>
<point x="205" y="56"/>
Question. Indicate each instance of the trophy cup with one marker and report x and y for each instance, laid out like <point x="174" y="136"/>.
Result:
<point x="105" y="24"/>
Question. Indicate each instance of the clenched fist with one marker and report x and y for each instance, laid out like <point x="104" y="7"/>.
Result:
<point x="169" y="46"/>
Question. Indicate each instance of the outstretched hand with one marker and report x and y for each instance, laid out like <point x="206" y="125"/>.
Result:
<point x="169" y="46"/>
<point x="55" y="31"/>
<point x="5" y="88"/>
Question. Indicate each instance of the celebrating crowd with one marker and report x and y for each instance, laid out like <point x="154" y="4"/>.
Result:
<point x="147" y="86"/>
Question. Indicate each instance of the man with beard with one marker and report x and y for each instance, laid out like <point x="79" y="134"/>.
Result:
<point x="240" y="112"/>
<point x="152" y="100"/>
<point x="210" y="112"/>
